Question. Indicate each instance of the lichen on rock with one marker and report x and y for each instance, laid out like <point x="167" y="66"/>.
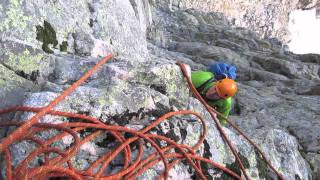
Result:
<point x="143" y="81"/>
<point x="15" y="17"/>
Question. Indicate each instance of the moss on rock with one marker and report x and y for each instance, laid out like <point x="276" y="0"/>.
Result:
<point x="64" y="46"/>
<point x="47" y="35"/>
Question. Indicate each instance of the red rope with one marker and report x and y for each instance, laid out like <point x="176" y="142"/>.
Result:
<point x="20" y="131"/>
<point x="61" y="165"/>
<point x="214" y="117"/>
<point x="212" y="112"/>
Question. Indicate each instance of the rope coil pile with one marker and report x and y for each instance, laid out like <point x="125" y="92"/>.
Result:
<point x="61" y="164"/>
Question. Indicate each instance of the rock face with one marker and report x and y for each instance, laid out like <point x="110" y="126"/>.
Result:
<point x="277" y="104"/>
<point x="276" y="86"/>
<point x="268" y="18"/>
<point x="52" y="26"/>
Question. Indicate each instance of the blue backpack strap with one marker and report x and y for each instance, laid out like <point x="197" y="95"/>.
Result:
<point x="221" y="70"/>
<point x="232" y="72"/>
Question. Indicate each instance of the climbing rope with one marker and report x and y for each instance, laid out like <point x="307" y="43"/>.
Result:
<point x="213" y="114"/>
<point x="60" y="165"/>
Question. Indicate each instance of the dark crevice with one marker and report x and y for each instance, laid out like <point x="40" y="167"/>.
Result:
<point x="206" y="154"/>
<point x="40" y="161"/>
<point x="208" y="170"/>
<point x="160" y="88"/>
<point x="91" y="22"/>
<point x="124" y="118"/>
<point x="236" y="107"/>
<point x="31" y="77"/>
<point x="264" y="172"/>
<point x="159" y="110"/>
<point x="297" y="177"/>
<point x="86" y="132"/>
<point x="70" y="119"/>
<point x="313" y="91"/>
<point x="91" y="8"/>
<point x="235" y="167"/>
<point x="134" y="6"/>
<point x="183" y="133"/>
<point x="172" y="135"/>
<point x="105" y="141"/>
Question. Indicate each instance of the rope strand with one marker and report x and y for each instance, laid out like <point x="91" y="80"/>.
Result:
<point x="61" y="164"/>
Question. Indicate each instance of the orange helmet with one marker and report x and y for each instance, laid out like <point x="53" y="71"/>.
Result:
<point x="226" y="88"/>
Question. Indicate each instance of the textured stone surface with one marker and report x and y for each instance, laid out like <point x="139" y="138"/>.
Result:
<point x="277" y="103"/>
<point x="12" y="87"/>
<point x="274" y="88"/>
<point x="314" y="160"/>
<point x="26" y="61"/>
<point x="269" y="18"/>
<point x="113" y="22"/>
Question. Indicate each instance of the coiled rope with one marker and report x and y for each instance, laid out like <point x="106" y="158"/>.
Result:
<point x="61" y="164"/>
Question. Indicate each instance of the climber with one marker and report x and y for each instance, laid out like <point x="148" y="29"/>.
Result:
<point x="217" y="87"/>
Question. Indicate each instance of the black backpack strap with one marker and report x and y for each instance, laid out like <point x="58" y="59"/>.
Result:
<point x="201" y="88"/>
